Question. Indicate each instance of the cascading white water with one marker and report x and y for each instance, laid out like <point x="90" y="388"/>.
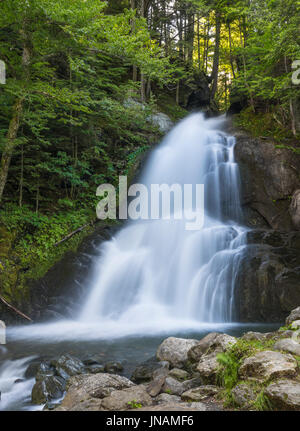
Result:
<point x="154" y="271"/>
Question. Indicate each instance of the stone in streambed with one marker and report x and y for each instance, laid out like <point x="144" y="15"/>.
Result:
<point x="268" y="365"/>
<point x="149" y="369"/>
<point x="67" y="365"/>
<point x="284" y="395"/>
<point x="175" y="350"/>
<point x="51" y="388"/>
<point x="113" y="367"/>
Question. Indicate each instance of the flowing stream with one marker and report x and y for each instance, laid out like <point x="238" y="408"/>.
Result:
<point x="154" y="278"/>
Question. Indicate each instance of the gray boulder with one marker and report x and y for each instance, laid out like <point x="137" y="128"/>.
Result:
<point x="130" y="398"/>
<point x="201" y="393"/>
<point x="284" y="395"/>
<point x="243" y="394"/>
<point x="294" y="315"/>
<point x="208" y="367"/>
<point x="288" y="345"/>
<point x="175" y="351"/>
<point x="86" y="388"/>
<point x="268" y="365"/>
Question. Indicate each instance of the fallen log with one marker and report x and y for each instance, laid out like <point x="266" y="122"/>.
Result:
<point x="15" y="309"/>
<point x="70" y="235"/>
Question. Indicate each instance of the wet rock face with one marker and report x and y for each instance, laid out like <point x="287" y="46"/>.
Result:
<point x="268" y="282"/>
<point x="48" y="389"/>
<point x="269" y="177"/>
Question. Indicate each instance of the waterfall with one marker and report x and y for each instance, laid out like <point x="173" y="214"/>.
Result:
<point x="156" y="270"/>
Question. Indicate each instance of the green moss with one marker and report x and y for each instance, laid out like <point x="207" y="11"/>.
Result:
<point x="264" y="125"/>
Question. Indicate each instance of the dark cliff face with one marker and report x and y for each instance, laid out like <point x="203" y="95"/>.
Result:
<point x="269" y="176"/>
<point x="268" y="285"/>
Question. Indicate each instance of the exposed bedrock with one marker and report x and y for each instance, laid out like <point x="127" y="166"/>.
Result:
<point x="270" y="183"/>
<point x="268" y="283"/>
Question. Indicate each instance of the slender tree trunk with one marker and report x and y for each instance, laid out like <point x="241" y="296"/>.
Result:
<point x="215" y="71"/>
<point x="291" y="104"/>
<point x="10" y="143"/>
<point x="21" y="177"/>
<point x="230" y="50"/>
<point x="16" y="117"/>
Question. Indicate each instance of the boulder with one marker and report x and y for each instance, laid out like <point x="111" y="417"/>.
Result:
<point x="294" y="315"/>
<point x="208" y="367"/>
<point x="167" y="399"/>
<point x="199" y="349"/>
<point x="288" y="345"/>
<point x="284" y="395"/>
<point x="67" y="365"/>
<point x="267" y="365"/>
<point x="174" y="387"/>
<point x="113" y="367"/>
<point x="242" y="394"/>
<point x="49" y="389"/>
<point x="254" y="336"/>
<point x="295" y="324"/>
<point x="175" y="350"/>
<point x="201" y="393"/>
<point x="178" y="374"/>
<point x="213" y="342"/>
<point x="126" y="399"/>
<point x="155" y="387"/>
<point x="145" y="371"/>
<point x="221" y="343"/>
<point x="86" y="387"/>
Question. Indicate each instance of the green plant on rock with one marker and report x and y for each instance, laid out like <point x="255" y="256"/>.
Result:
<point x="261" y="403"/>
<point x="134" y="404"/>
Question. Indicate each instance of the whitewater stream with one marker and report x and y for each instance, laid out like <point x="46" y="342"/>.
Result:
<point x="154" y="278"/>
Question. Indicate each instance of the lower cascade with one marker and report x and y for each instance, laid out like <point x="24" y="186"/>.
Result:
<point x="156" y="270"/>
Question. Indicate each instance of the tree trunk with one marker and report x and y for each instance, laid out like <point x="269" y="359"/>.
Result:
<point x="16" y="117"/>
<point x="215" y="71"/>
<point x="10" y="143"/>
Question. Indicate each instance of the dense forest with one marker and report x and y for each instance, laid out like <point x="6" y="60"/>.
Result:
<point x="84" y="78"/>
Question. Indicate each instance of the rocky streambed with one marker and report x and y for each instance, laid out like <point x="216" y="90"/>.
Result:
<point x="257" y="371"/>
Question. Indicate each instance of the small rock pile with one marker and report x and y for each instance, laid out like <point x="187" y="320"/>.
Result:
<point x="257" y="371"/>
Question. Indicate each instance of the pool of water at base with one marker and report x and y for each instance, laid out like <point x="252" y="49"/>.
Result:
<point x="15" y="357"/>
